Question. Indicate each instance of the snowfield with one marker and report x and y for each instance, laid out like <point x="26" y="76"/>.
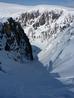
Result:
<point x="51" y="73"/>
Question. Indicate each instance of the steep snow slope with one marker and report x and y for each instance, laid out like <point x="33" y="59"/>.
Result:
<point x="29" y="80"/>
<point x="55" y="53"/>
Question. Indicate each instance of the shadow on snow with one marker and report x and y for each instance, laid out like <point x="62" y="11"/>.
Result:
<point x="32" y="80"/>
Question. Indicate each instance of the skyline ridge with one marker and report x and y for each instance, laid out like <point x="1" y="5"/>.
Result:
<point x="41" y="2"/>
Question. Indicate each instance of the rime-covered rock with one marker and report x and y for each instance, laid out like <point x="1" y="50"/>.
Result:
<point x="15" y="39"/>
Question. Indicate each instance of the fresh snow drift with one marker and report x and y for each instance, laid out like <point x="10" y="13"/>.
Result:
<point x="51" y="32"/>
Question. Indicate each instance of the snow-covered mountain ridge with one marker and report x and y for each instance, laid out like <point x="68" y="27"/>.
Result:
<point x="52" y="29"/>
<point x="51" y="32"/>
<point x="51" y="26"/>
<point x="14" y="40"/>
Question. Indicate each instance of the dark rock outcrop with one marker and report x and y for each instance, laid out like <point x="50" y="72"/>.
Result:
<point x="16" y="39"/>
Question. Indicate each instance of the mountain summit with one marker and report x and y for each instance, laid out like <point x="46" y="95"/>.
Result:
<point x="45" y="33"/>
<point x="14" y="39"/>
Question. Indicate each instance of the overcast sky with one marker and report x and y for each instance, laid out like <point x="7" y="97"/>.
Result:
<point x="36" y="2"/>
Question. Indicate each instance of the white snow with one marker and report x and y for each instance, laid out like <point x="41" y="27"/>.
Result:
<point x="39" y="78"/>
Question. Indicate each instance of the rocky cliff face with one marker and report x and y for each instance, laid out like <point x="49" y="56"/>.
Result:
<point x="13" y="39"/>
<point x="44" y="24"/>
